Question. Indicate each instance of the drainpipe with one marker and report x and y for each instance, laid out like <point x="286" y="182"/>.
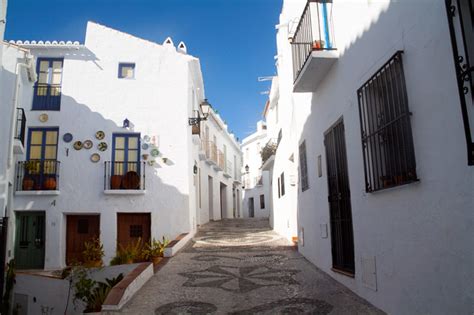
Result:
<point x="28" y="65"/>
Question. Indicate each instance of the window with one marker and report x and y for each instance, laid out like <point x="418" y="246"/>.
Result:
<point x="282" y="183"/>
<point x="320" y="166"/>
<point x="280" y="135"/>
<point x="47" y="89"/>
<point x="126" y="70"/>
<point x="303" y="167"/>
<point x="82" y="226"/>
<point x="136" y="230"/>
<point x="126" y="153"/>
<point x="387" y="142"/>
<point x="262" y="201"/>
<point x="279" y="188"/>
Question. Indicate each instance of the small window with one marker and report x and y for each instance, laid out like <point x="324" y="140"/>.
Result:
<point x="387" y="141"/>
<point x="82" y="226"/>
<point x="126" y="71"/>
<point x="262" y="201"/>
<point x="282" y="183"/>
<point x="136" y="230"/>
<point x="303" y="167"/>
<point x="279" y="188"/>
<point x="320" y="167"/>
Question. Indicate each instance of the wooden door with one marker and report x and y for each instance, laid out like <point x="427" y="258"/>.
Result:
<point x="80" y="229"/>
<point x="339" y="198"/>
<point x="131" y="227"/>
<point x="251" y="207"/>
<point x="30" y="240"/>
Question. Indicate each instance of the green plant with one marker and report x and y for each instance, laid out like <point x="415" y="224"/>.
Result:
<point x="126" y="254"/>
<point x="155" y="249"/>
<point x="32" y="166"/>
<point x="9" y="283"/>
<point x="93" y="251"/>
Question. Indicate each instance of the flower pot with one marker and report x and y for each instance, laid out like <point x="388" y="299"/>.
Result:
<point x="28" y="183"/>
<point x="94" y="264"/>
<point x="50" y="183"/>
<point x="156" y="259"/>
<point x="318" y="44"/>
<point x="129" y="261"/>
<point x="115" y="181"/>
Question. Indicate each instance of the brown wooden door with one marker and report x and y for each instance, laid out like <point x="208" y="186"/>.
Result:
<point x="80" y="229"/>
<point x="131" y="227"/>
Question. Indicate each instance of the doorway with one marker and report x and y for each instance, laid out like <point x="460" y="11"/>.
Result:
<point x="251" y="208"/>
<point x="30" y="240"/>
<point x="210" y="198"/>
<point x="223" y="197"/>
<point x="342" y="238"/>
<point x="80" y="229"/>
<point x="131" y="227"/>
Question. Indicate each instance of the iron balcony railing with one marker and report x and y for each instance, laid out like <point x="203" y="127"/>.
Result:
<point x="213" y="155"/>
<point x="47" y="97"/>
<point x="228" y="168"/>
<point x="220" y="160"/>
<point x="314" y="32"/>
<point x="258" y="180"/>
<point x="206" y="147"/>
<point x="37" y="175"/>
<point x="268" y="150"/>
<point x="20" y="125"/>
<point x="124" y="175"/>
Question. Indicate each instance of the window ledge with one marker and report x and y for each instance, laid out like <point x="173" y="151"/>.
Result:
<point x="124" y="192"/>
<point x="37" y="193"/>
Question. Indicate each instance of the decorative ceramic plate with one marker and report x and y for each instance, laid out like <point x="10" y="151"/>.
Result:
<point x="100" y="135"/>
<point x="102" y="146"/>
<point x="67" y="137"/>
<point x="43" y="117"/>
<point x="87" y="144"/>
<point x="145" y="146"/>
<point x="145" y="157"/>
<point x="78" y="145"/>
<point x="95" y="157"/>
<point x="151" y="162"/>
<point x="146" y="138"/>
<point x="154" y="152"/>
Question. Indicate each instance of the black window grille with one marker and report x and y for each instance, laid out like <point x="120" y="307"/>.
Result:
<point x="303" y="167"/>
<point x="387" y="142"/>
<point x="279" y="188"/>
<point x="282" y="183"/>
<point x="82" y="226"/>
<point x="262" y="201"/>
<point x="136" y="230"/>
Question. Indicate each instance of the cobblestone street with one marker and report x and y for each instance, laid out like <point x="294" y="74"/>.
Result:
<point x="241" y="266"/>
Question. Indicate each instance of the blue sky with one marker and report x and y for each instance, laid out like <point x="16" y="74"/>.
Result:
<point x="234" y="39"/>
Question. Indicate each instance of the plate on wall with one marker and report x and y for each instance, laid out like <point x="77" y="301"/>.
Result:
<point x="102" y="146"/>
<point x="77" y="145"/>
<point x="87" y="144"/>
<point x="95" y="157"/>
<point x="43" y="117"/>
<point x="145" y="146"/>
<point x="99" y="135"/>
<point x="154" y="152"/>
<point x="67" y="137"/>
<point x="146" y="138"/>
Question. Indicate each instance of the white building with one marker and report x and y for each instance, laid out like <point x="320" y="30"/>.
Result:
<point x="378" y="120"/>
<point x="109" y="150"/>
<point x="257" y="200"/>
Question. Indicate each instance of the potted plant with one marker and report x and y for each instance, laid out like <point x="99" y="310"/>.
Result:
<point x="115" y="181"/>
<point x="318" y="44"/>
<point x="93" y="253"/>
<point x="50" y="183"/>
<point x="28" y="181"/>
<point x="155" y="250"/>
<point x="130" y="253"/>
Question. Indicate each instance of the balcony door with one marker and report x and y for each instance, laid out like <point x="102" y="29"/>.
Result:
<point x="42" y="152"/>
<point x="47" y="90"/>
<point x="342" y="238"/>
<point x="126" y="153"/>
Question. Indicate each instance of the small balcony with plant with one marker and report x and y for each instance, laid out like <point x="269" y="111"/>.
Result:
<point x="20" y="128"/>
<point x="124" y="178"/>
<point x="313" y="46"/>
<point x="37" y="177"/>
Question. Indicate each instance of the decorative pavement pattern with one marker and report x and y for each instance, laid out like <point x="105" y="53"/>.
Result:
<point x="241" y="266"/>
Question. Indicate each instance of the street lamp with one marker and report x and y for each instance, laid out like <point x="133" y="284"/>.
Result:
<point x="246" y="169"/>
<point x="205" y="109"/>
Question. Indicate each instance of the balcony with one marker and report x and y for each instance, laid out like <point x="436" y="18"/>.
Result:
<point x="37" y="177"/>
<point x="228" y="169"/>
<point x="313" y="46"/>
<point x="220" y="165"/>
<point x="211" y="153"/>
<point x="19" y="141"/>
<point x="47" y="97"/>
<point x="124" y="178"/>
<point x="204" y="150"/>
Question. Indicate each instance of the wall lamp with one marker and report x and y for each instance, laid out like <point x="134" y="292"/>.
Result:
<point x="246" y="169"/>
<point x="205" y="109"/>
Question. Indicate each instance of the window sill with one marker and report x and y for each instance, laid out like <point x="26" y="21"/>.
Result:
<point x="342" y="272"/>
<point x="124" y="192"/>
<point x="37" y="193"/>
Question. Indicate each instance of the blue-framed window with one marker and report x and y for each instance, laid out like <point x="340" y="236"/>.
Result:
<point x="47" y="89"/>
<point x="126" y="70"/>
<point x="41" y="154"/>
<point x="125" y="153"/>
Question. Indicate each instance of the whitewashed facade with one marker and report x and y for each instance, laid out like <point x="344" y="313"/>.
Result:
<point x="257" y="198"/>
<point x="410" y="250"/>
<point x="127" y="100"/>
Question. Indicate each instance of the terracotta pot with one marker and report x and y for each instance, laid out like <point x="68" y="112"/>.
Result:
<point x="115" y="181"/>
<point x="131" y="180"/>
<point x="129" y="261"/>
<point x="50" y="183"/>
<point x="94" y="264"/>
<point x="156" y="259"/>
<point x="28" y="183"/>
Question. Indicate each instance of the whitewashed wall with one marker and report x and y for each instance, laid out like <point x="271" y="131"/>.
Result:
<point x="420" y="235"/>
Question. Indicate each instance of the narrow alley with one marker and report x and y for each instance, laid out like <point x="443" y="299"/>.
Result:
<point x="241" y="266"/>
